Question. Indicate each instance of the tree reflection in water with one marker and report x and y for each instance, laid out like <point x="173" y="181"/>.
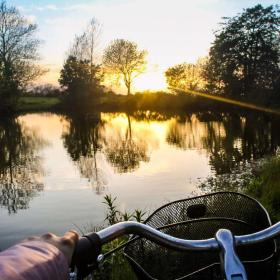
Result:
<point x="87" y="139"/>
<point x="83" y="141"/>
<point x="20" y="165"/>
<point x="124" y="151"/>
<point x="230" y="139"/>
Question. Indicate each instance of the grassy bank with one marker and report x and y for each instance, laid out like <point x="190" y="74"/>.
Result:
<point x="265" y="187"/>
<point x="33" y="104"/>
<point x="260" y="180"/>
<point x="110" y="102"/>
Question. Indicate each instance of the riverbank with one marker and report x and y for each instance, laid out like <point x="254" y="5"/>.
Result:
<point x="258" y="179"/>
<point x="37" y="104"/>
<point x="152" y="101"/>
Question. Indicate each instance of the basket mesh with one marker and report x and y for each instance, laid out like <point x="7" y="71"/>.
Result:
<point x="200" y="218"/>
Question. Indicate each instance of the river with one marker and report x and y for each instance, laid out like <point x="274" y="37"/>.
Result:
<point x="56" y="169"/>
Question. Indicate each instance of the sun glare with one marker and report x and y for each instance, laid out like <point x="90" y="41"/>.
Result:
<point x="150" y="81"/>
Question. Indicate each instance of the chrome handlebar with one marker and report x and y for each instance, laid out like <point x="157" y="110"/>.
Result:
<point x="112" y="232"/>
<point x="223" y="241"/>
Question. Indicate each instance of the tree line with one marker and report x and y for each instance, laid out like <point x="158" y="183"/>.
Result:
<point x="243" y="61"/>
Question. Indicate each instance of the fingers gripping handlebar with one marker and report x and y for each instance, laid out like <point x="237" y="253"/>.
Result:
<point x="86" y="253"/>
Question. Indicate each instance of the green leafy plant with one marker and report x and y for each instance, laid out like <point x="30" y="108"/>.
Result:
<point x="115" y="266"/>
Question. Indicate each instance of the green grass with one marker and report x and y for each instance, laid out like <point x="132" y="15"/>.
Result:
<point x="27" y="103"/>
<point x="260" y="180"/>
<point x="265" y="187"/>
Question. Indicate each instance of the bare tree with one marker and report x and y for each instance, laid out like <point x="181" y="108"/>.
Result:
<point x="92" y="35"/>
<point x="18" y="51"/>
<point x="82" y="62"/>
<point x="122" y="57"/>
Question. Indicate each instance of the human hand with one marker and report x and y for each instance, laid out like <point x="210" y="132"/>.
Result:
<point x="66" y="244"/>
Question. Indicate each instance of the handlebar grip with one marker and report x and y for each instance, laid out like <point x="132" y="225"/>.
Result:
<point x="86" y="252"/>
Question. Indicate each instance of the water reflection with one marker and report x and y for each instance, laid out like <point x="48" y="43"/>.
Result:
<point x="229" y="139"/>
<point x="83" y="140"/>
<point x="20" y="165"/>
<point x="103" y="145"/>
<point x="124" y="150"/>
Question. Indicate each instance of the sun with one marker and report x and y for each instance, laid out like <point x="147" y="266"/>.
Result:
<point x="150" y="81"/>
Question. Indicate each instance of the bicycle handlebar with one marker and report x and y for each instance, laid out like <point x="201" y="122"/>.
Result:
<point x="89" y="246"/>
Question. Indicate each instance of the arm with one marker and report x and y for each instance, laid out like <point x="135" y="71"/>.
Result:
<point x="41" y="258"/>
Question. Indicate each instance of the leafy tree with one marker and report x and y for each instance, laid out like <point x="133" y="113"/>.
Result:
<point x="185" y="76"/>
<point x="73" y="74"/>
<point x="122" y="57"/>
<point x="85" y="45"/>
<point x="18" y="52"/>
<point x="82" y="82"/>
<point x="81" y="74"/>
<point x="246" y="52"/>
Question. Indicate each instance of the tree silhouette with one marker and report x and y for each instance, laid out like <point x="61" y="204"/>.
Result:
<point x="20" y="168"/>
<point x="18" y="52"/>
<point x="122" y="57"/>
<point x="81" y="74"/>
<point x="246" y="52"/>
<point x="186" y="76"/>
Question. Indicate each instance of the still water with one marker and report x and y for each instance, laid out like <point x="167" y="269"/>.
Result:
<point x="55" y="169"/>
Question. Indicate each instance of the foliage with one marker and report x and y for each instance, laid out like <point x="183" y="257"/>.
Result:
<point x="81" y="79"/>
<point x="260" y="179"/>
<point x="186" y="76"/>
<point x="18" y="52"/>
<point x="245" y="55"/>
<point x="265" y="186"/>
<point x="114" y="215"/>
<point x="81" y="74"/>
<point x="78" y="74"/>
<point x="115" y="265"/>
<point x="122" y="57"/>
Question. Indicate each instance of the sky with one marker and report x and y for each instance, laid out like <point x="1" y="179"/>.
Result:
<point x="172" y="31"/>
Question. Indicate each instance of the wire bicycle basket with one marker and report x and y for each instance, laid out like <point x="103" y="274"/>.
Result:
<point x="200" y="218"/>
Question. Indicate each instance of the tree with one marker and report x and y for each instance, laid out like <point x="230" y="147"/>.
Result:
<point x="80" y="72"/>
<point x="82" y="82"/>
<point x="186" y="76"/>
<point x="18" y="52"/>
<point x="122" y="57"/>
<point x="245" y="54"/>
<point x="85" y="45"/>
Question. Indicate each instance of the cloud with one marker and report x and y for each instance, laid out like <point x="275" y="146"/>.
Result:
<point x="49" y="7"/>
<point x="172" y="31"/>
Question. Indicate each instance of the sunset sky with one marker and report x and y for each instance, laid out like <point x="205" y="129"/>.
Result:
<point x="172" y="31"/>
